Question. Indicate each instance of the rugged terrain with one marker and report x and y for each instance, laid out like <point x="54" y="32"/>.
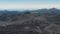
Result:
<point x="30" y="22"/>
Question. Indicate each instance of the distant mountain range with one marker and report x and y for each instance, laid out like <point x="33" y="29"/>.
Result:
<point x="29" y="21"/>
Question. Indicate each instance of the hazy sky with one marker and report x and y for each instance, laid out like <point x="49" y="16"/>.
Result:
<point x="29" y="4"/>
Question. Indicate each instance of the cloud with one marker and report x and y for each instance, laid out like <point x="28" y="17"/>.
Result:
<point x="28" y="6"/>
